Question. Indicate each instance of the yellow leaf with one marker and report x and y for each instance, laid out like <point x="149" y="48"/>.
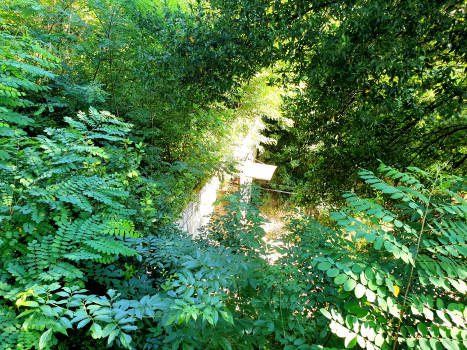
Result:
<point x="186" y="53"/>
<point x="396" y="291"/>
<point x="53" y="198"/>
<point x="269" y="24"/>
<point x="20" y="230"/>
<point x="192" y="40"/>
<point x="367" y="91"/>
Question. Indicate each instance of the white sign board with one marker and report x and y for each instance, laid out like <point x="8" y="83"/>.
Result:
<point x="258" y="171"/>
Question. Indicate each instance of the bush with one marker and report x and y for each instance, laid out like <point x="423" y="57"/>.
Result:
<point x="80" y="260"/>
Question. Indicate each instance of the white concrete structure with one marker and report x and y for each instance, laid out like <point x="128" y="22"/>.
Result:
<point x="197" y="213"/>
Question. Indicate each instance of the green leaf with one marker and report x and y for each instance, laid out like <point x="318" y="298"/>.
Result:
<point x="112" y="336"/>
<point x="66" y="322"/>
<point x="388" y="218"/>
<point x="29" y="303"/>
<point x="378" y="243"/>
<point x="326" y="313"/>
<point x="108" y="329"/>
<point x="361" y="341"/>
<point x="360" y="234"/>
<point x="382" y="303"/>
<point x="332" y="272"/>
<point x="125" y="339"/>
<point x="45" y="338"/>
<point x="299" y="341"/>
<point x="225" y="343"/>
<point x="449" y="344"/>
<point x="358" y="311"/>
<point x="428" y="314"/>
<point x="422" y="329"/>
<point x="227" y="315"/>
<point x="187" y="346"/>
<point x="350" y="340"/>
<point x="379" y="340"/>
<point x="357" y="268"/>
<point x="96" y="331"/>
<point x="398" y="223"/>
<point x="360" y="291"/>
<point x="340" y="279"/>
<point x="170" y="320"/>
<point x="369" y="273"/>
<point x="372" y="285"/>
<point x="324" y="266"/>
<point x="47" y="310"/>
<point x="83" y="323"/>
<point x="370" y="295"/>
<point x="349" y="285"/>
<point x="28" y="227"/>
<point x="424" y="345"/>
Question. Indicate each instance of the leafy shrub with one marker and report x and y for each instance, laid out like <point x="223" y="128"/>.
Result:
<point x="409" y="289"/>
<point x="20" y="71"/>
<point x="80" y="259"/>
<point x="62" y="208"/>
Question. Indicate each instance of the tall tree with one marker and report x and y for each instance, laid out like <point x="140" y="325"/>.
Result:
<point x="371" y="79"/>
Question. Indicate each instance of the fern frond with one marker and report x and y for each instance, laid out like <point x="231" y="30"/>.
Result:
<point x="111" y="247"/>
<point x="82" y="254"/>
<point x="59" y="271"/>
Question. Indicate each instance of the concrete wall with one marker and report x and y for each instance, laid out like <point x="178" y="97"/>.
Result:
<point x="197" y="213"/>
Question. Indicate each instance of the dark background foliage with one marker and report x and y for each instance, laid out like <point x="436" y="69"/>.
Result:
<point x="114" y="113"/>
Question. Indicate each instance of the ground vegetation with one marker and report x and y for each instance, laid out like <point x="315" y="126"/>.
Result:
<point x="113" y="113"/>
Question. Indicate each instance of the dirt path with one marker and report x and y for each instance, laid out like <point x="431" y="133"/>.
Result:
<point x="275" y="228"/>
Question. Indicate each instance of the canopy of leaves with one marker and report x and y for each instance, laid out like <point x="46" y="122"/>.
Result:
<point x="370" y="80"/>
<point x="89" y="257"/>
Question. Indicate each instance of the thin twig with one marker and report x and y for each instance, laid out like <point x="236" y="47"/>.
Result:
<point x="401" y="314"/>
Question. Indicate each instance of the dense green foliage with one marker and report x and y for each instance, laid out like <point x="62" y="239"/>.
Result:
<point x="169" y="291"/>
<point x="113" y="56"/>
<point x="114" y="113"/>
<point x="410" y="287"/>
<point x="368" y="80"/>
<point x="20" y="69"/>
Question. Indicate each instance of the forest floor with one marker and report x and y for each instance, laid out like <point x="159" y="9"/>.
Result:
<point x="275" y="228"/>
<point x="275" y="231"/>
